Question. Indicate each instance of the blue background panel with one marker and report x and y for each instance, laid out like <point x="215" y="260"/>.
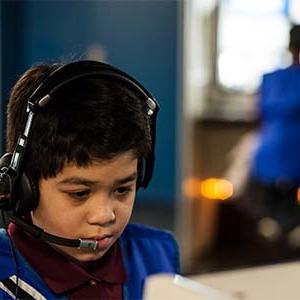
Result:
<point x="140" y="37"/>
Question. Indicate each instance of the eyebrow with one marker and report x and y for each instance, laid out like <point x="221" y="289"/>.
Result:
<point x="127" y="179"/>
<point x="83" y="181"/>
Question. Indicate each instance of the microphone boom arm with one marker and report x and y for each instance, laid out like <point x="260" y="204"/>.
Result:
<point x="40" y="233"/>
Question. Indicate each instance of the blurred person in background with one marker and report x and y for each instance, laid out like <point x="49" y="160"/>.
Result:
<point x="274" y="178"/>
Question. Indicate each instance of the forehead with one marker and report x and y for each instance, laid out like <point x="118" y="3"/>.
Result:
<point x="120" y="166"/>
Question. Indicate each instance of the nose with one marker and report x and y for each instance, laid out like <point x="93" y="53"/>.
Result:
<point x="101" y="212"/>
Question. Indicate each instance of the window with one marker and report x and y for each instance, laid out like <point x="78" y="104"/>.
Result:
<point x="252" y="39"/>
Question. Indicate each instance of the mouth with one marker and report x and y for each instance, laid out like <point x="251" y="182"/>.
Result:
<point x="103" y="241"/>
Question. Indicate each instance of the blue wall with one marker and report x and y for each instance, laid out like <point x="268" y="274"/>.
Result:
<point x="139" y="37"/>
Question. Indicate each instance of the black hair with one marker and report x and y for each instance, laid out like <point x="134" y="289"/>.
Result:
<point x="87" y="120"/>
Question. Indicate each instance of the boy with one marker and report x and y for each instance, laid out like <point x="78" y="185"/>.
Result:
<point x="82" y="139"/>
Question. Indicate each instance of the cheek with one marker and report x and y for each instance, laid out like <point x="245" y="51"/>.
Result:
<point x="53" y="213"/>
<point x="124" y="211"/>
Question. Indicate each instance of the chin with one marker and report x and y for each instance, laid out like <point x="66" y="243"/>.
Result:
<point x="86" y="257"/>
<point x="80" y="255"/>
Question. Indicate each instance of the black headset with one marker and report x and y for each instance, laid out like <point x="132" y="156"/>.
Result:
<point x="17" y="191"/>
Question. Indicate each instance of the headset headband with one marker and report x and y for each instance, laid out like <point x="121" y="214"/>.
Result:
<point x="84" y="69"/>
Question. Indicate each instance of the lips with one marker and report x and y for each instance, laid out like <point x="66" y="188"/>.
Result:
<point x="103" y="241"/>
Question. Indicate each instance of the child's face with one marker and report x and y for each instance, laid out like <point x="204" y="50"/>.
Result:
<point x="93" y="202"/>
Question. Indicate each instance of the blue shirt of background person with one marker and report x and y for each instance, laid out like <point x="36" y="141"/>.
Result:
<point x="277" y="157"/>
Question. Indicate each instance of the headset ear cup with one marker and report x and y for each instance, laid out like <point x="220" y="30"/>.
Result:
<point x="5" y="160"/>
<point x="6" y="202"/>
<point x="23" y="194"/>
<point x="27" y="194"/>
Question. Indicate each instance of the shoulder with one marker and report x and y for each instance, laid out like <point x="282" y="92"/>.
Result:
<point x="7" y="266"/>
<point x="148" y="244"/>
<point x="280" y="73"/>
<point x="4" y="243"/>
<point x="146" y="251"/>
<point x="143" y="232"/>
<point x="29" y="280"/>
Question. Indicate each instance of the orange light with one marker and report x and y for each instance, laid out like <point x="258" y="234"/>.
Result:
<point x="216" y="189"/>
<point x="298" y="195"/>
<point x="191" y="187"/>
<point x="211" y="188"/>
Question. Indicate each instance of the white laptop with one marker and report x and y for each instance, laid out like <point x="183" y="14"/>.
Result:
<point x="166" y="286"/>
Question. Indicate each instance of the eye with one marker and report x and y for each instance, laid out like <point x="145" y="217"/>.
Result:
<point x="123" y="190"/>
<point x="80" y="195"/>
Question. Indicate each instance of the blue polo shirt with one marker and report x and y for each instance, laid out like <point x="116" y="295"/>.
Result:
<point x="145" y="251"/>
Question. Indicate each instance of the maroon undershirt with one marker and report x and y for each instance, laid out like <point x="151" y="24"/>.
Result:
<point x="103" y="279"/>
